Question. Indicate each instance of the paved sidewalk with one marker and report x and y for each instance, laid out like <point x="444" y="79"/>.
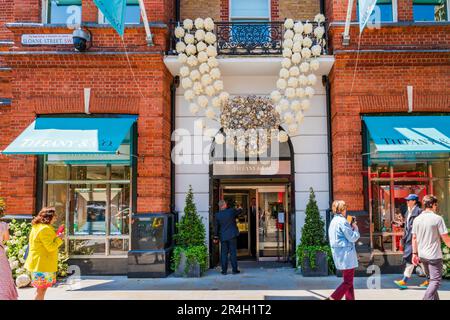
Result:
<point x="254" y="284"/>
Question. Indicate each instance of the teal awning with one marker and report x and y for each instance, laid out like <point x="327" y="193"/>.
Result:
<point x="72" y="136"/>
<point x="406" y="134"/>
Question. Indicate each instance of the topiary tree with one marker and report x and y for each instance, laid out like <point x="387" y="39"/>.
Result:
<point x="190" y="238"/>
<point x="313" y="236"/>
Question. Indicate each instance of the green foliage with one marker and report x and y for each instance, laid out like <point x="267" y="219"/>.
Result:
<point x="16" y="247"/>
<point x="446" y="257"/>
<point x="313" y="236"/>
<point x="191" y="237"/>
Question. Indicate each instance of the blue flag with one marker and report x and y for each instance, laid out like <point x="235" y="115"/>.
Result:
<point x="114" y="11"/>
<point x="365" y="11"/>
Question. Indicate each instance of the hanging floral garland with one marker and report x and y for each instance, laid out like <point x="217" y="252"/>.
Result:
<point x="200" y="73"/>
<point x="302" y="45"/>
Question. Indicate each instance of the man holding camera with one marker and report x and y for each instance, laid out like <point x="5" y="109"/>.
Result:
<point x="225" y="229"/>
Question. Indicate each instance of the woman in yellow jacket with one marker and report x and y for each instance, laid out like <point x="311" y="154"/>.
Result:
<point x="42" y="260"/>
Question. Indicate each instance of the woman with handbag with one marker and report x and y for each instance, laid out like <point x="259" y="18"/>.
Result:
<point x="343" y="235"/>
<point x="42" y="260"/>
<point x="8" y="289"/>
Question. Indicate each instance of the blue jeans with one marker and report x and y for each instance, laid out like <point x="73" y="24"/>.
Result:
<point x="229" y="247"/>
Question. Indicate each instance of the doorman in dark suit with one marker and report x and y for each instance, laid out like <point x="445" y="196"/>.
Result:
<point x="254" y="210"/>
<point x="226" y="230"/>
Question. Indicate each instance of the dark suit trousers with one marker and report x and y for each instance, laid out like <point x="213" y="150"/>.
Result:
<point x="229" y="247"/>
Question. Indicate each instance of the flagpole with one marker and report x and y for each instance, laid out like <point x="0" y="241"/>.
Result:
<point x="346" y="35"/>
<point x="146" y="25"/>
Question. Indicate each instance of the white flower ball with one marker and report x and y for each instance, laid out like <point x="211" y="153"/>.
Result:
<point x="189" y="39"/>
<point x="281" y="84"/>
<point x="296" y="105"/>
<point x="293" y="82"/>
<point x="305" y="104"/>
<point x="288" y="43"/>
<point x="314" y="64"/>
<point x="294" y="71"/>
<point x="216" y="103"/>
<point x="300" y="92"/>
<point x="210" y="91"/>
<point x="206" y="80"/>
<point x="289" y="23"/>
<point x="215" y="73"/>
<point x="195" y="75"/>
<point x="307" y="28"/>
<point x="296" y="58"/>
<point x="189" y="95"/>
<point x="306" y="53"/>
<point x="179" y="32"/>
<point x="202" y="101"/>
<point x="199" y="23"/>
<point x="283" y="136"/>
<point x="288" y="118"/>
<point x="198" y="88"/>
<point x="284" y="104"/>
<point x="297" y="46"/>
<point x="23" y="281"/>
<point x="180" y="47"/>
<point x="193" y="108"/>
<point x="184" y="71"/>
<point x="204" y="68"/>
<point x="213" y="62"/>
<point x="309" y="91"/>
<point x="279" y="109"/>
<point x="298" y="38"/>
<point x="288" y="34"/>
<point x="224" y="96"/>
<point x="284" y="73"/>
<point x="290" y="93"/>
<point x="303" y="80"/>
<point x="210" y="113"/>
<point x="286" y="63"/>
<point x="219" y="139"/>
<point x="182" y="58"/>
<point x="218" y="85"/>
<point x="186" y="83"/>
<point x="312" y="79"/>
<point x="210" y="38"/>
<point x="319" y="32"/>
<point x="304" y="67"/>
<point x="298" y="27"/>
<point x="191" y="50"/>
<point x="299" y="117"/>
<point x="276" y="96"/>
<point x="192" y="61"/>
<point x="200" y="124"/>
<point x="202" y="57"/>
<point x="307" y="42"/>
<point x="209" y="24"/>
<point x="320" y="18"/>
<point x="201" y="46"/>
<point x="200" y="35"/>
<point x="287" y="53"/>
<point x="211" y="51"/>
<point x="293" y="128"/>
<point x="316" y="50"/>
<point x="188" y="24"/>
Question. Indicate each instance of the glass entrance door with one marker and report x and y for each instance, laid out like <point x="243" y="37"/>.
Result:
<point x="272" y="224"/>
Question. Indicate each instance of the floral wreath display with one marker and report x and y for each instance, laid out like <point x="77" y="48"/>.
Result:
<point x="247" y="116"/>
<point x="297" y="78"/>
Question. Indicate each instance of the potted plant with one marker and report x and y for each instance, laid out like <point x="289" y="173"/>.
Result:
<point x="313" y="253"/>
<point x="190" y="257"/>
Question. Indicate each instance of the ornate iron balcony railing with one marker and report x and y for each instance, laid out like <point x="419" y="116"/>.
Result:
<point x="249" y="38"/>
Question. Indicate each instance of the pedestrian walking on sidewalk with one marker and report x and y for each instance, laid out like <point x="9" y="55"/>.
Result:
<point x="428" y="230"/>
<point x="42" y="260"/>
<point x="8" y="289"/>
<point x="413" y="211"/>
<point x="225" y="229"/>
<point x="343" y="235"/>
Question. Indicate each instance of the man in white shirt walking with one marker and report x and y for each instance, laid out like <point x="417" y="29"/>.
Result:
<point x="428" y="230"/>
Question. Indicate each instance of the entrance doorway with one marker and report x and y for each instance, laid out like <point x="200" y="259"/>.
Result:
<point x="265" y="221"/>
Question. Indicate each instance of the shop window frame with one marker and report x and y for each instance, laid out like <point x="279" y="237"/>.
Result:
<point x="394" y="4"/>
<point x="46" y="14"/>
<point x="102" y="19"/>
<point x="447" y="12"/>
